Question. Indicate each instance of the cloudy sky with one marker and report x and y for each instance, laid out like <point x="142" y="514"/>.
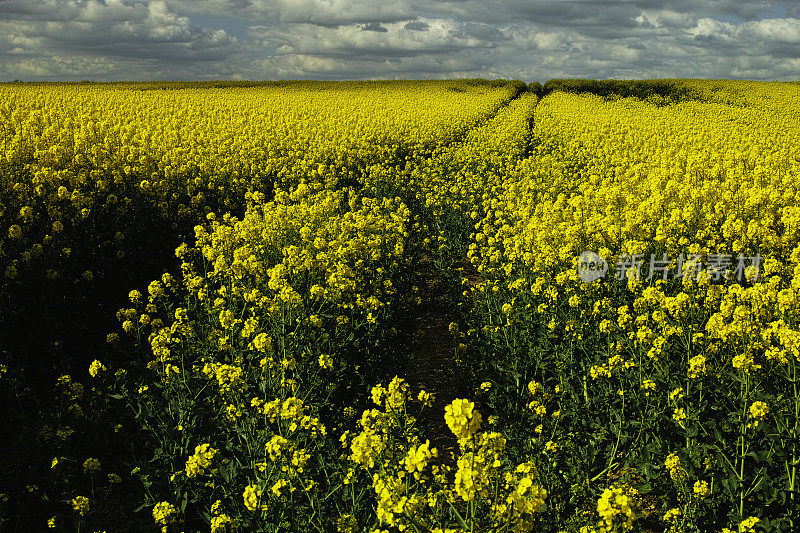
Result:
<point x="532" y="40"/>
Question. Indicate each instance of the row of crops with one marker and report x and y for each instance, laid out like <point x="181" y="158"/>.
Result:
<point x="203" y="290"/>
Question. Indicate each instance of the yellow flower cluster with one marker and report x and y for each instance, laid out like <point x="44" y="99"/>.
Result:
<point x="91" y="465"/>
<point x="748" y="525"/>
<point x="745" y="526"/>
<point x="758" y="411"/>
<point x="252" y="495"/>
<point x="96" y="367"/>
<point x="347" y="524"/>
<point x="478" y="465"/>
<point x="671" y="517"/>
<point x="701" y="488"/>
<point x="164" y="513"/>
<point x="616" y="502"/>
<point x="462" y="418"/>
<point x="80" y="504"/>
<point x="528" y="497"/>
<point x="673" y="465"/>
<point x="412" y="490"/>
<point x="697" y="366"/>
<point x="392" y="397"/>
<point x="229" y="377"/>
<point x="200" y="461"/>
<point x="418" y="458"/>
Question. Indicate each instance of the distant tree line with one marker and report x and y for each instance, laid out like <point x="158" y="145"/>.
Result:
<point x="667" y="90"/>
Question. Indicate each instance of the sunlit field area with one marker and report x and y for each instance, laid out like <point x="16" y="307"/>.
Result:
<point x="400" y="306"/>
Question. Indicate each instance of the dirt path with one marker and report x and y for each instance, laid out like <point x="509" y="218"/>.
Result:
<point x="430" y="348"/>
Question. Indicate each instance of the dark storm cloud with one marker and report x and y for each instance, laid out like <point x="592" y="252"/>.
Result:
<point x="416" y="25"/>
<point x="374" y="26"/>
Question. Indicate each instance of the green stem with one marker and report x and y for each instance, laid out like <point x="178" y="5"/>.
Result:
<point x="793" y="476"/>
<point x="743" y="449"/>
<point x="458" y="516"/>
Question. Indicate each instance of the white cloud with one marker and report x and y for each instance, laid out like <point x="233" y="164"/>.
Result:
<point x="135" y="30"/>
<point x="63" y="66"/>
<point x="764" y="31"/>
<point x="268" y="39"/>
<point x="322" y="12"/>
<point x="441" y="36"/>
<point x="665" y="19"/>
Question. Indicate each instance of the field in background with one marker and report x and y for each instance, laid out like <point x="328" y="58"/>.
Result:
<point x="356" y="306"/>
